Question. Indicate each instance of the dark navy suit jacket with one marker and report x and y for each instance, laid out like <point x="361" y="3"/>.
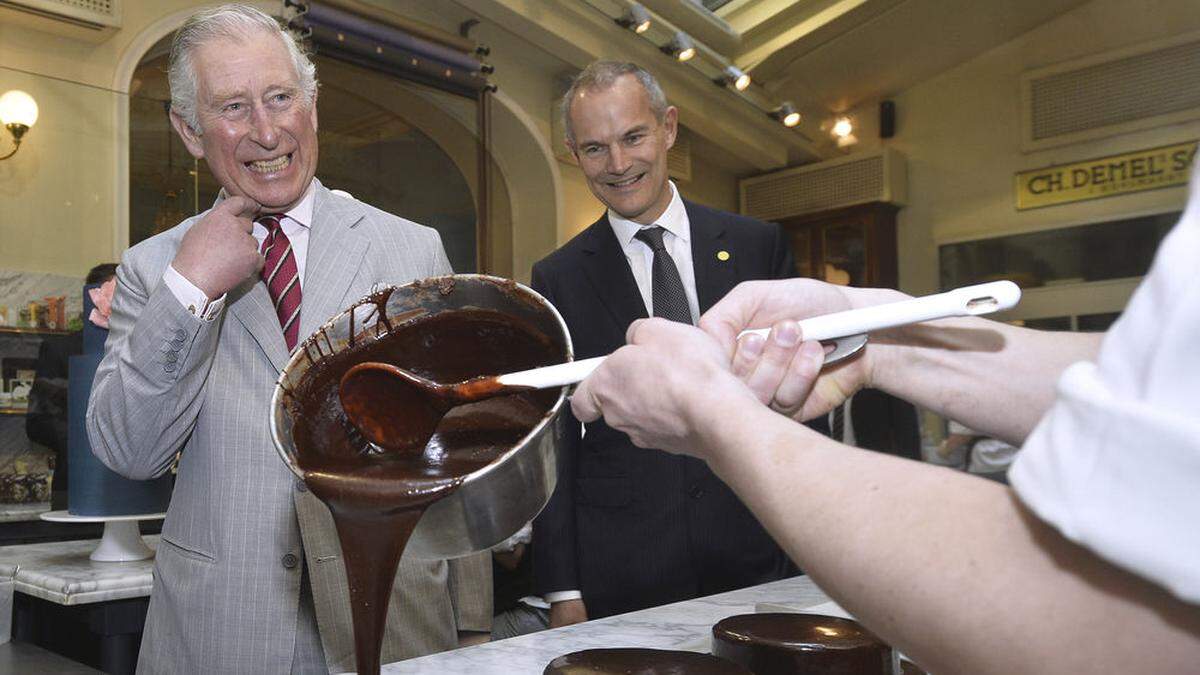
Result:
<point x="630" y="527"/>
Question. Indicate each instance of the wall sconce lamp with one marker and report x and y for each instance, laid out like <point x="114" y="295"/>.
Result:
<point x="735" y="76"/>
<point x="636" y="18"/>
<point x="18" y="112"/>
<point x="786" y="114"/>
<point x="681" y="47"/>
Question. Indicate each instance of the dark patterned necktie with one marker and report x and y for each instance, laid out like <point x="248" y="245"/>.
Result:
<point x="282" y="278"/>
<point x="667" y="294"/>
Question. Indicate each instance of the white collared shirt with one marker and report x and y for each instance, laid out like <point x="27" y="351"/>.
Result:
<point x="678" y="240"/>
<point x="296" y="224"/>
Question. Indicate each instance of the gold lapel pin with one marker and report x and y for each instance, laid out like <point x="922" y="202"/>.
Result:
<point x="722" y="255"/>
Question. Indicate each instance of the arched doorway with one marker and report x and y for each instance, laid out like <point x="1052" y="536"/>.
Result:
<point x="369" y="147"/>
<point x="526" y="194"/>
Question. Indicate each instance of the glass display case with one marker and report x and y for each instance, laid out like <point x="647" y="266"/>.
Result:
<point x="26" y="466"/>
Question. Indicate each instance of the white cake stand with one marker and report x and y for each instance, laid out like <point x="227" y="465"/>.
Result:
<point x="122" y="541"/>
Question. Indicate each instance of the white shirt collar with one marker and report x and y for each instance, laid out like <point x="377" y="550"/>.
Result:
<point x="302" y="213"/>
<point x="674" y="220"/>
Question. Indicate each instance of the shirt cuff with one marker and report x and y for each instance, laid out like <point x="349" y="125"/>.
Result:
<point x="193" y="299"/>
<point x="560" y="596"/>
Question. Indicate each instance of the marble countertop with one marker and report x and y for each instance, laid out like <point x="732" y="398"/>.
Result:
<point x="10" y="513"/>
<point x="61" y="572"/>
<point x="683" y="625"/>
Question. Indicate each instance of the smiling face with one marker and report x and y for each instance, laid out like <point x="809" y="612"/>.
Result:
<point x="257" y="131"/>
<point x="622" y="148"/>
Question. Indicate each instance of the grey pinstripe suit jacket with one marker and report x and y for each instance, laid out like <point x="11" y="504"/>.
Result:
<point x="224" y="600"/>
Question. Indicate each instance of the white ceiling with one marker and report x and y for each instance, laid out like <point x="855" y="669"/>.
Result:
<point x="883" y="47"/>
<point x="825" y="56"/>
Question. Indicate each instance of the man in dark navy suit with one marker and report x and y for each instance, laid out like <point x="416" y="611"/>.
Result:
<point x="631" y="527"/>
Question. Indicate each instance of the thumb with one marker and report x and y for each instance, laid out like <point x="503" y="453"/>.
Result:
<point x="583" y="403"/>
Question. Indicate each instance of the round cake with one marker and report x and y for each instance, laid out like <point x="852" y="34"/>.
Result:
<point x="634" y="661"/>
<point x="795" y="644"/>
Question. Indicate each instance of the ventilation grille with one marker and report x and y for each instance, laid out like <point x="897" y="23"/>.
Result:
<point x="88" y="13"/>
<point x="1110" y="94"/>
<point x="877" y="177"/>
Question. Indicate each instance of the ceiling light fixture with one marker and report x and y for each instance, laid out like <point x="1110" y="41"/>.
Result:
<point x="681" y="47"/>
<point x="786" y="113"/>
<point x="734" y="76"/>
<point x="636" y="18"/>
<point x="843" y="132"/>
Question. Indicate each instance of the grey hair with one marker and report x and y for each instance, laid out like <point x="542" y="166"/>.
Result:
<point x="601" y="75"/>
<point x="231" y="22"/>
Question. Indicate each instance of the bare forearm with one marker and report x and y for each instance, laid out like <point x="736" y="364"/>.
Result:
<point x="995" y="378"/>
<point x="949" y="568"/>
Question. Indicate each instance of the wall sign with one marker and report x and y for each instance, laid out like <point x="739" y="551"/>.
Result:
<point x="1106" y="176"/>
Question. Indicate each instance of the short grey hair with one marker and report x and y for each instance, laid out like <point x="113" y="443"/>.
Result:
<point x="230" y="22"/>
<point x="601" y="75"/>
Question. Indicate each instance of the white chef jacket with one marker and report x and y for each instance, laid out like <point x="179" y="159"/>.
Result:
<point x="1115" y="463"/>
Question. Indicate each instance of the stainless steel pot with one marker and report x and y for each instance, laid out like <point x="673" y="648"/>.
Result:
<point x="495" y="501"/>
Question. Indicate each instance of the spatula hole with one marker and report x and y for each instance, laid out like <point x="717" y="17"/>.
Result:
<point x="986" y="303"/>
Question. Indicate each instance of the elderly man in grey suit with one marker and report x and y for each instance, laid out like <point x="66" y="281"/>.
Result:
<point x="249" y="576"/>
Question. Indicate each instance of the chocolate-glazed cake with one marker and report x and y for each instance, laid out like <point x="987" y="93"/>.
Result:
<point x="633" y="661"/>
<point x="800" y="644"/>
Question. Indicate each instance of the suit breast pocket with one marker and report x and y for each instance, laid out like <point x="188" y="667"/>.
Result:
<point x="609" y="492"/>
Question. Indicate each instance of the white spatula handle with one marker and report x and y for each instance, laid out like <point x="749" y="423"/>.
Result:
<point x="965" y="301"/>
<point x="553" y="376"/>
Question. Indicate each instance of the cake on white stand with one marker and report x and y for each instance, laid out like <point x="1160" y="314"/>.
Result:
<point x="122" y="541"/>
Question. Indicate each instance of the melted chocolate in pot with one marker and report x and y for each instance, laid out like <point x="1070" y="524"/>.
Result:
<point x="377" y="497"/>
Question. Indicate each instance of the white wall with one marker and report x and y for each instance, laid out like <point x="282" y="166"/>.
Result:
<point x="961" y="134"/>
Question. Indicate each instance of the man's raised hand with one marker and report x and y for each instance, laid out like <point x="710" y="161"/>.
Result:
<point x="219" y="251"/>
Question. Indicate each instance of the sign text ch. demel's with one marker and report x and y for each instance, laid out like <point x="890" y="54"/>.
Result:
<point x="1106" y="176"/>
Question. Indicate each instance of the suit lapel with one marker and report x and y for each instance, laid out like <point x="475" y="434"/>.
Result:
<point x="714" y="277"/>
<point x="335" y="255"/>
<point x="607" y="269"/>
<point x="254" y="309"/>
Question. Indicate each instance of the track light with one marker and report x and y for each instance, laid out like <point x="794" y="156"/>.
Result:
<point x="786" y="114"/>
<point x="843" y="127"/>
<point x="681" y="47"/>
<point x="734" y="75"/>
<point x="636" y="19"/>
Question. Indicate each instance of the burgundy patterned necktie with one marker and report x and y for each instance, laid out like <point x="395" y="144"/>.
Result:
<point x="282" y="278"/>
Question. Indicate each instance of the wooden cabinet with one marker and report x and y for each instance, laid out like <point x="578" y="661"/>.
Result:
<point x="852" y="246"/>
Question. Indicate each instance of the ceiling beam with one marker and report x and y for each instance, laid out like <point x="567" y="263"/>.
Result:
<point x="578" y="33"/>
<point x="765" y="39"/>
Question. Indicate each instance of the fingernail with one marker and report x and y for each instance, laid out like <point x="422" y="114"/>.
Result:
<point x="752" y="345"/>
<point x="787" y="333"/>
